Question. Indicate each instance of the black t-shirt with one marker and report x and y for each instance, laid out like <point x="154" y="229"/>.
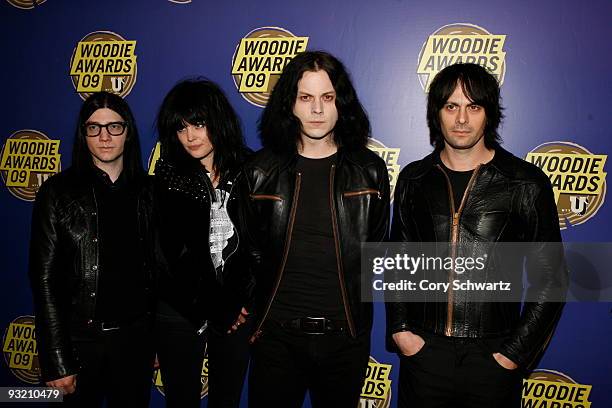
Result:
<point x="121" y="276"/>
<point x="310" y="285"/>
<point x="459" y="181"/>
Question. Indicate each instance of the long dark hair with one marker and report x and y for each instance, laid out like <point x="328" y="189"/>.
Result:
<point x="279" y="128"/>
<point x="194" y="101"/>
<point x="132" y="159"/>
<point x="479" y="86"/>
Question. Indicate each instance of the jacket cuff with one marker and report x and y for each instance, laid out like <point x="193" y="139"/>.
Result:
<point x="56" y="364"/>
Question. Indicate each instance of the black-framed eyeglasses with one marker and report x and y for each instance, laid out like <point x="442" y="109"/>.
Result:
<point x="112" y="128"/>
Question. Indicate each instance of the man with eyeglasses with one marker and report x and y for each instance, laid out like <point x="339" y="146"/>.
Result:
<point x="90" y="264"/>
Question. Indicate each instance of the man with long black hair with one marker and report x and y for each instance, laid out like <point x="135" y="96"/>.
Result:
<point x="313" y="194"/>
<point x="461" y="351"/>
<point x="90" y="264"/>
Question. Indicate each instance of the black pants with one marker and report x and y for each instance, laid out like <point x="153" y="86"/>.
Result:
<point x="181" y="352"/>
<point x="115" y="365"/>
<point x="286" y="362"/>
<point x="454" y="372"/>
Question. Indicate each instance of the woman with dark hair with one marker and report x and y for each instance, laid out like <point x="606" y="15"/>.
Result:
<point x="90" y="252"/>
<point x="204" y="285"/>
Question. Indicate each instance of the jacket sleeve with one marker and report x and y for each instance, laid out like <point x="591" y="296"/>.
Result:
<point x="380" y="231"/>
<point x="48" y="290"/>
<point x="547" y="278"/>
<point x="250" y="247"/>
<point x="397" y="311"/>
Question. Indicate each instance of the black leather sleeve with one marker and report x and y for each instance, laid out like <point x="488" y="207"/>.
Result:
<point x="248" y="227"/>
<point x="381" y="218"/>
<point x="547" y="278"/>
<point x="397" y="312"/>
<point x="49" y="290"/>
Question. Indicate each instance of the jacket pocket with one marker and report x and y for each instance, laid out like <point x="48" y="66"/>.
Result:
<point x="366" y="191"/>
<point x="265" y="197"/>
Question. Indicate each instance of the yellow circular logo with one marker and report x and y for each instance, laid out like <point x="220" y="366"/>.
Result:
<point x="259" y="60"/>
<point x="376" y="390"/>
<point x="577" y="176"/>
<point x="20" y="349"/>
<point x="461" y="42"/>
<point x="103" y="61"/>
<point x="28" y="158"/>
<point x="26" y="4"/>
<point x="391" y="156"/>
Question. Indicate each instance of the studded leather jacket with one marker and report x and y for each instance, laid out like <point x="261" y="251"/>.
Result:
<point x="506" y="200"/>
<point x="188" y="279"/>
<point x="359" y="200"/>
<point x="64" y="264"/>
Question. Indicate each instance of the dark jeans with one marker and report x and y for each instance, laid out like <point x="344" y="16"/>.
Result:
<point x="228" y="360"/>
<point x="287" y="362"/>
<point x="454" y="372"/>
<point x="115" y="365"/>
<point x="181" y="352"/>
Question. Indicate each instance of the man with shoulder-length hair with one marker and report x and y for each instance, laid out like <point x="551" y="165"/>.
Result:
<point x="462" y="351"/>
<point x="314" y="193"/>
<point x="90" y="264"/>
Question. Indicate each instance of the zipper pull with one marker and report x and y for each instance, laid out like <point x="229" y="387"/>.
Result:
<point x="255" y="336"/>
<point x="455" y="219"/>
<point x="203" y="328"/>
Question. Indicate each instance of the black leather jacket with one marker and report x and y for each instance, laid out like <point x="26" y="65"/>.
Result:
<point x="64" y="259"/>
<point x="506" y="200"/>
<point x="187" y="278"/>
<point x="360" y="213"/>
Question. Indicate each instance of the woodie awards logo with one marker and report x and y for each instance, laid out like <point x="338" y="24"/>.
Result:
<point x="461" y="42"/>
<point x="20" y="349"/>
<point x="549" y="389"/>
<point x="159" y="384"/>
<point x="28" y="158"/>
<point x="577" y="176"/>
<point x="376" y="390"/>
<point x="26" y="4"/>
<point x="103" y="61"/>
<point x="391" y="157"/>
<point x="259" y="60"/>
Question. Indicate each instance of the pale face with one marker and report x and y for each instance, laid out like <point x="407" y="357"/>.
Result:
<point x="195" y="140"/>
<point x="462" y="122"/>
<point x="104" y="148"/>
<point x="315" y="105"/>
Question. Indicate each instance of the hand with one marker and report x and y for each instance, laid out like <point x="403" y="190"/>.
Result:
<point x="67" y="385"/>
<point x="239" y="320"/>
<point x="505" y="361"/>
<point x="408" y="342"/>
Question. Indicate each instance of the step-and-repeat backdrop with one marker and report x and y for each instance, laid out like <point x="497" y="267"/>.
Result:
<point x="552" y="58"/>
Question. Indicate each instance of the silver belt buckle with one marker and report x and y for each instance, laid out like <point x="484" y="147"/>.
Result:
<point x="106" y="328"/>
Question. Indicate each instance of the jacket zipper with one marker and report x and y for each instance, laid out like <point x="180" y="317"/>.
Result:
<point x="362" y="192"/>
<point x="332" y="202"/>
<point x="289" y="233"/>
<point x="455" y="216"/>
<point x="95" y="297"/>
<point x="210" y="188"/>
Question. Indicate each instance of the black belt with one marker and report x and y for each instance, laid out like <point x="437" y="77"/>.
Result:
<point x="316" y="325"/>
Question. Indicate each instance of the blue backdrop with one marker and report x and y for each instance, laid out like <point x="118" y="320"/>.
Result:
<point x="553" y="57"/>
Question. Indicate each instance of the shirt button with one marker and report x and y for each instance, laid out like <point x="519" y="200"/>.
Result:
<point x="95" y="267"/>
<point x="95" y="240"/>
<point x="92" y="294"/>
